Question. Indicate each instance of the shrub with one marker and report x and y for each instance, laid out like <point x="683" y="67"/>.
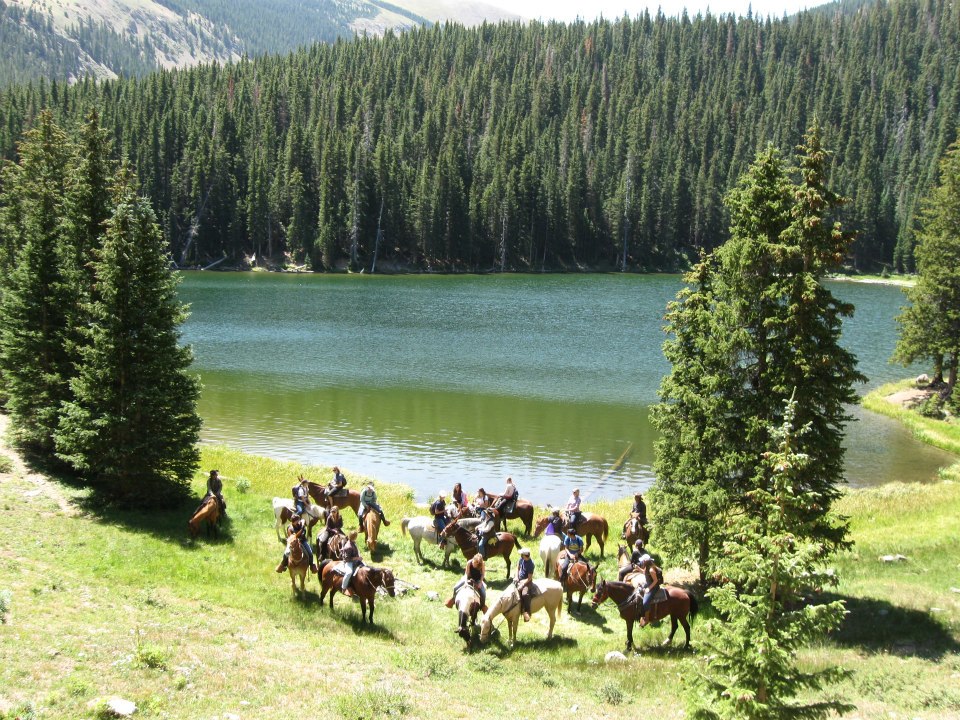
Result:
<point x="6" y="464"/>
<point x="370" y="703"/>
<point x="5" y="598"/>
<point x="932" y="407"/>
<point x="243" y="485"/>
<point x="610" y="693"/>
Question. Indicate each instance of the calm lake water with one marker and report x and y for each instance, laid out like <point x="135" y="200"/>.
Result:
<point x="431" y="380"/>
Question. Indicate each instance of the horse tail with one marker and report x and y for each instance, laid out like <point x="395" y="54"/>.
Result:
<point x="606" y="530"/>
<point x="403" y="526"/>
<point x="694" y="605"/>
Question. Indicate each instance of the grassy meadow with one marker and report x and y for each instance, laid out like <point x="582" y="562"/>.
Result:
<point x="98" y="604"/>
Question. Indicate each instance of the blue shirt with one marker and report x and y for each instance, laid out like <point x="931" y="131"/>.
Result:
<point x="573" y="543"/>
<point x="524" y="568"/>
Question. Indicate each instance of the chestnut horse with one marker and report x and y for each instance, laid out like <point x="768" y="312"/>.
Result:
<point x="591" y="526"/>
<point x="330" y="550"/>
<point x="522" y="510"/>
<point x="371" y="528"/>
<point x="634" y="530"/>
<point x="346" y="499"/>
<point x="580" y="578"/>
<point x="298" y="564"/>
<point x="209" y="512"/>
<point x="678" y="605"/>
<point x="468" y="544"/>
<point x="364" y="585"/>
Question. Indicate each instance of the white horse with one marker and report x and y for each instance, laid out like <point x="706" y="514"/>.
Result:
<point x="284" y="508"/>
<point x="508" y="605"/>
<point x="550" y="548"/>
<point x="421" y="528"/>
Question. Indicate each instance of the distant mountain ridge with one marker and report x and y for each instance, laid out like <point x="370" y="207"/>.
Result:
<point x="72" y="39"/>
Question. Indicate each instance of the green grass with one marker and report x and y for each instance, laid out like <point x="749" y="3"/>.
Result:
<point x="104" y="604"/>
<point x="939" y="433"/>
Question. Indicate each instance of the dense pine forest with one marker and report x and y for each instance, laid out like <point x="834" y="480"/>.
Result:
<point x="528" y="147"/>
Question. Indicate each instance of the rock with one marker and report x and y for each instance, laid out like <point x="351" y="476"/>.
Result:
<point x="119" y="707"/>
<point x="892" y="558"/>
<point x="615" y="657"/>
<point x="230" y="716"/>
<point x="955" y="590"/>
<point x="432" y="596"/>
<point x="923" y="379"/>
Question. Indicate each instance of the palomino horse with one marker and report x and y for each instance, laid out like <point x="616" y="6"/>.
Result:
<point x="209" y="512"/>
<point x="345" y="499"/>
<point x="364" y="585"/>
<point x="298" y="564"/>
<point x="678" y="605"/>
<point x="636" y="577"/>
<point x="522" y="510"/>
<point x="421" y="528"/>
<point x="468" y="544"/>
<point x="467" y="602"/>
<point x="634" y="530"/>
<point x="550" y="596"/>
<point x="371" y="528"/>
<point x="283" y="510"/>
<point x="580" y="578"/>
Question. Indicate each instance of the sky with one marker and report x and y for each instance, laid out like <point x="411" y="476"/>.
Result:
<point x="567" y="10"/>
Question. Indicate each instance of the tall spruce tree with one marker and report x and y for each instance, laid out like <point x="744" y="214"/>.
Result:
<point x="930" y="326"/>
<point x="132" y="427"/>
<point x="755" y="324"/>
<point x="37" y="296"/>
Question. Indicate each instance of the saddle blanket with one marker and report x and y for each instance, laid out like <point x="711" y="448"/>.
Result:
<point x="658" y="597"/>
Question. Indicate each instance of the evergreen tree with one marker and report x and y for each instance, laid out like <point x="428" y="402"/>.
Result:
<point x="132" y="427"/>
<point x="37" y="297"/>
<point x="749" y="668"/>
<point x="930" y="326"/>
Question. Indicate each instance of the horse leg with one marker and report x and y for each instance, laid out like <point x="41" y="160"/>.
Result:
<point x="673" y="629"/>
<point x="363" y="609"/>
<point x="629" y="636"/>
<point x="686" y="630"/>
<point x="600" y="543"/>
<point x="551" y="611"/>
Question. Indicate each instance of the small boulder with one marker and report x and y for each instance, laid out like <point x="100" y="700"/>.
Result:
<point x="614" y="656"/>
<point x="923" y="379"/>
<point x="893" y="558"/>
<point x="432" y="596"/>
<point x="115" y="707"/>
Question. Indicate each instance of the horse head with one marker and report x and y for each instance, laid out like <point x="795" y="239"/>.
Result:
<point x="295" y="548"/>
<point x="541" y="526"/>
<point x="389" y="582"/>
<point x="600" y="593"/>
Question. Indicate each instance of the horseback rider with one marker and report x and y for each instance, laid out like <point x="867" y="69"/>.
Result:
<point x="574" y="516"/>
<point x="480" y="502"/>
<point x="352" y="561"/>
<point x="573" y="553"/>
<point x="639" y="508"/>
<point x="215" y="488"/>
<point x="337" y="485"/>
<point x="654" y="579"/>
<point x="636" y="557"/>
<point x="507" y="502"/>
<point x="486" y="528"/>
<point x="439" y="512"/>
<point x="474" y="573"/>
<point x="301" y="495"/>
<point x="524" y="581"/>
<point x="296" y="527"/>
<point x="458" y="497"/>
<point x="368" y="500"/>
<point x="332" y="526"/>
<point x="554" y="524"/>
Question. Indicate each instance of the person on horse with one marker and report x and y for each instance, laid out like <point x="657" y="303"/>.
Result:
<point x="486" y="529"/>
<point x="654" y="579"/>
<point x="636" y="558"/>
<point x="524" y="581"/>
<point x="352" y="561"/>
<point x="215" y="488"/>
<point x="573" y="553"/>
<point x="573" y="509"/>
<point x="639" y="508"/>
<point x="337" y="485"/>
<point x="474" y="573"/>
<point x="368" y="501"/>
<point x="301" y="495"/>
<point x="458" y="496"/>
<point x="332" y="526"/>
<point x="480" y="502"/>
<point x="439" y="512"/>
<point x="555" y="524"/>
<point x="508" y="501"/>
<point x="296" y="527"/>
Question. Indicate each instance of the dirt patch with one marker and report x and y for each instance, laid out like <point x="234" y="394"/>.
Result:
<point x="41" y="484"/>
<point x="910" y="397"/>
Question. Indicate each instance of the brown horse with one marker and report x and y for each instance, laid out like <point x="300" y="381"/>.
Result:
<point x="330" y="550"/>
<point x="468" y="545"/>
<point x="522" y="510"/>
<point x="209" y="512"/>
<point x="678" y="605"/>
<point x="634" y="530"/>
<point x="592" y="526"/>
<point x="371" y="528"/>
<point x="580" y="578"/>
<point x="298" y="564"/>
<point x="346" y="499"/>
<point x="364" y="585"/>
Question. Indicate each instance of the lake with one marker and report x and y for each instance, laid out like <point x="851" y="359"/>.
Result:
<point x="431" y="380"/>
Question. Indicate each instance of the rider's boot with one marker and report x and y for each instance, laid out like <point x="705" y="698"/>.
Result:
<point x="449" y="603"/>
<point x="383" y="518"/>
<point x="283" y="564"/>
<point x="313" y="567"/>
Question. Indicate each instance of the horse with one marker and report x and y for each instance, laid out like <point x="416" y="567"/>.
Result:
<point x="678" y="605"/>
<point x="550" y="596"/>
<point x="522" y="510"/>
<point x="364" y="584"/>
<point x="580" y="578"/>
<point x="283" y="510"/>
<point x="298" y="564"/>
<point x="550" y="548"/>
<point x="345" y="499"/>
<point x="209" y="512"/>
<point x="467" y="602"/>
<point x="330" y="549"/>
<point x="468" y="545"/>
<point x="371" y="528"/>
<point x="634" y="530"/>
<point x="421" y="528"/>
<point x="592" y="526"/>
<point x="636" y="577"/>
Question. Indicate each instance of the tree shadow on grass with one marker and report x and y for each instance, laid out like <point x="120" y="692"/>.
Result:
<point x="880" y="626"/>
